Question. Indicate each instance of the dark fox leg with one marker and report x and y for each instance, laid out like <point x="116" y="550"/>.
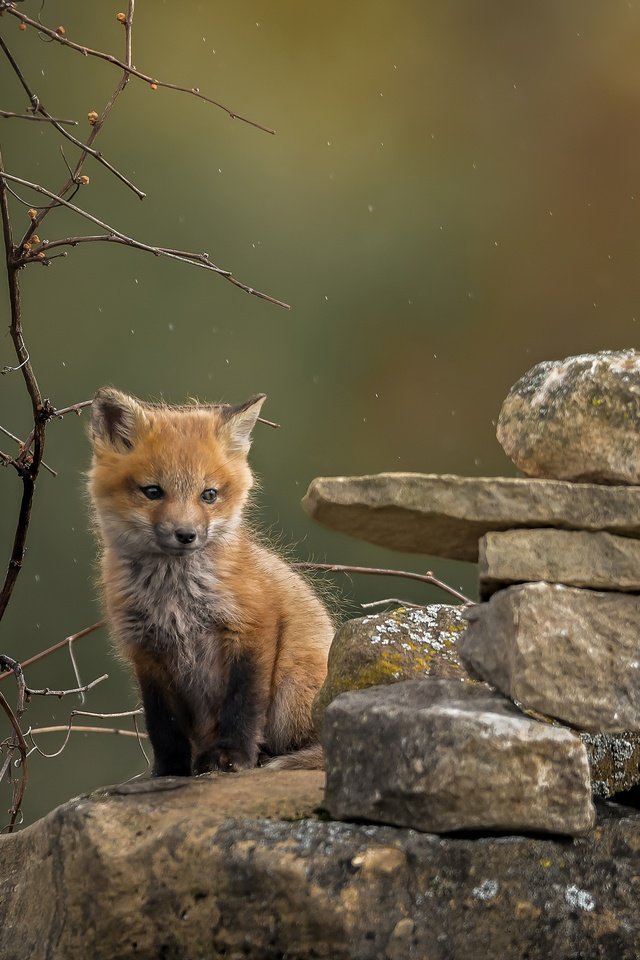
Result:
<point x="171" y="746"/>
<point x="241" y="716"/>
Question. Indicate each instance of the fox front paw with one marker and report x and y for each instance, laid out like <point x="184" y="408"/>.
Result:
<point x="225" y="758"/>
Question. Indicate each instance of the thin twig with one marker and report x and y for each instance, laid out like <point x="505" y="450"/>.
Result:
<point x="114" y="236"/>
<point x="23" y="448"/>
<point x="70" y="726"/>
<point x="47" y="692"/>
<point x="86" y="148"/>
<point x="407" y="574"/>
<point x="7" y="114"/>
<point x="401" y="603"/>
<point x="56" y="646"/>
<point x="18" y="792"/>
<point x="88" y="52"/>
<point x="88" y="729"/>
<point x="30" y="473"/>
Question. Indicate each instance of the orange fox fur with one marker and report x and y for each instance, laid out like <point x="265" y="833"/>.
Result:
<point x="229" y="645"/>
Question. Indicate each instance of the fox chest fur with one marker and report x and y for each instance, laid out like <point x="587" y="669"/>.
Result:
<point x="228" y="644"/>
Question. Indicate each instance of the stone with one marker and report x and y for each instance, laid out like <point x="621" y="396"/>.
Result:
<point x="576" y="419"/>
<point x="445" y="515"/>
<point x="600" y="561"/>
<point x="614" y="760"/>
<point x="568" y="653"/>
<point x="402" y="644"/>
<point x="454" y="757"/>
<point x="213" y="867"/>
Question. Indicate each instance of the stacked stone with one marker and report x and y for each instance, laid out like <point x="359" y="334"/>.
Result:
<point x="557" y="630"/>
<point x="560" y="632"/>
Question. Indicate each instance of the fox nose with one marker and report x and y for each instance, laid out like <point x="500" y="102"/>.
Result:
<point x="185" y="535"/>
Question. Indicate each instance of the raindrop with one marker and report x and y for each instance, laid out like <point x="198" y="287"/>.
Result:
<point x="170" y="326"/>
<point x="37" y="578"/>
<point x="370" y="208"/>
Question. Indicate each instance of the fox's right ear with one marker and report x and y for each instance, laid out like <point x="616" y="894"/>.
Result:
<point x="115" y="418"/>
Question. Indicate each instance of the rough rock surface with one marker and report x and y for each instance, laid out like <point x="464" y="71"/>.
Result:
<point x="614" y="760"/>
<point x="568" y="653"/>
<point x="576" y="419"/>
<point x="207" y="868"/>
<point x="600" y="561"/>
<point x="445" y="516"/>
<point x="454" y="757"/>
<point x="403" y="644"/>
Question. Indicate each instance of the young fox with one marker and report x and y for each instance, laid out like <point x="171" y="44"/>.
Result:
<point x="228" y="644"/>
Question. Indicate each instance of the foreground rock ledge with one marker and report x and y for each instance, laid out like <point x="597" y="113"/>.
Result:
<point x="445" y="515"/>
<point x="181" y="870"/>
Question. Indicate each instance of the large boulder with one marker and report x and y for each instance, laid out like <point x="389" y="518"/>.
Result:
<point x="226" y="867"/>
<point x="453" y="758"/>
<point x="402" y="644"/>
<point x="600" y="561"/>
<point x="576" y="419"/>
<point x="445" y="516"/>
<point x="568" y="653"/>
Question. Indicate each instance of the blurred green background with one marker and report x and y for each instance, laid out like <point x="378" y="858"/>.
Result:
<point x="452" y="195"/>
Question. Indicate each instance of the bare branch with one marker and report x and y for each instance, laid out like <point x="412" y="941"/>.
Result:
<point x="23" y="447"/>
<point x="409" y="575"/>
<point x="20" y="744"/>
<point x="400" y="603"/>
<point x="114" y="236"/>
<point x="85" y="729"/>
<point x="88" y="52"/>
<point x="47" y="692"/>
<point x="45" y="115"/>
<point x="7" y="115"/>
<point x="30" y="472"/>
<point x="57" y="646"/>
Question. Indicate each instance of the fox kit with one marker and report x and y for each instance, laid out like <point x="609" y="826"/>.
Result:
<point x="229" y="645"/>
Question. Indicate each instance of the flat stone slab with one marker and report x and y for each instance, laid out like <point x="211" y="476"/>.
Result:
<point x="445" y="515"/>
<point x="401" y="644"/>
<point x="600" y="561"/>
<point x="183" y="869"/>
<point x="454" y="758"/>
<point x="576" y="419"/>
<point x="568" y="653"/>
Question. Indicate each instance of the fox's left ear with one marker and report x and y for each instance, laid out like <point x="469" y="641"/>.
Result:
<point x="238" y="422"/>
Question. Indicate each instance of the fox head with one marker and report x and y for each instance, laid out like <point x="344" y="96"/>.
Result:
<point x="168" y="480"/>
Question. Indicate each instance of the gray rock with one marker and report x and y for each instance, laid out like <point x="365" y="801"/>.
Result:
<point x="454" y="758"/>
<point x="403" y="644"/>
<point x="600" y="561"/>
<point x="614" y="760"/>
<point x="445" y="516"/>
<point x="211" y="868"/>
<point x="576" y="419"/>
<point x="568" y="653"/>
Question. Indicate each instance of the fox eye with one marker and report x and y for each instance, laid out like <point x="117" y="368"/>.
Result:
<point x="209" y="496"/>
<point x="152" y="492"/>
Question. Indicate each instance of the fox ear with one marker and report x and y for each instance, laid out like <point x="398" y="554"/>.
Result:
<point x="115" y="418"/>
<point x="238" y="422"/>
